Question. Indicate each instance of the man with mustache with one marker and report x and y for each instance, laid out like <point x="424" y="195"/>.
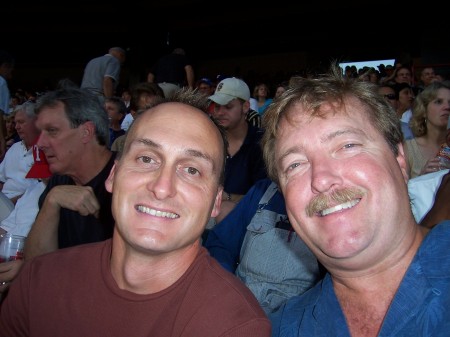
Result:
<point x="335" y="149"/>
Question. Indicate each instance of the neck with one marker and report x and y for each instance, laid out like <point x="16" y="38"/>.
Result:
<point x="436" y="136"/>
<point x="239" y="132"/>
<point x="149" y="272"/>
<point x="90" y="165"/>
<point x="385" y="274"/>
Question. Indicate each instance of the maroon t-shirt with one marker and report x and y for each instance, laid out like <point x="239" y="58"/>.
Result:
<point x="72" y="293"/>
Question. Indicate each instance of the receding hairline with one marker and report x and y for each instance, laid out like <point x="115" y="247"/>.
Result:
<point x="162" y="109"/>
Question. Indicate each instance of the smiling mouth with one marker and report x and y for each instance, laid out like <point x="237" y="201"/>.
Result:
<point x="337" y="208"/>
<point x="156" y="213"/>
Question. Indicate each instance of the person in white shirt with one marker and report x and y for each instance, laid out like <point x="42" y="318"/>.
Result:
<point x="19" y="157"/>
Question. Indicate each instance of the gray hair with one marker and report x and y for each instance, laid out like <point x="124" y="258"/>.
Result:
<point x="79" y="107"/>
<point x="29" y="108"/>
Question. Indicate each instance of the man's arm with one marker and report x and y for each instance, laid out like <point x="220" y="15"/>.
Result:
<point x="43" y="236"/>
<point x="440" y="209"/>
<point x="189" y="76"/>
<point x="108" y="86"/>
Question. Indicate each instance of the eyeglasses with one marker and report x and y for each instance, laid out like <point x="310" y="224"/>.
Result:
<point x="390" y="96"/>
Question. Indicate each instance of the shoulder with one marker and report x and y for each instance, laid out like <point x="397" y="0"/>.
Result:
<point x="255" y="133"/>
<point x="78" y="257"/>
<point x="224" y="294"/>
<point x="16" y="147"/>
<point x="262" y="185"/>
<point x="296" y="311"/>
<point x="253" y="114"/>
<point x="57" y="179"/>
<point x="253" y="196"/>
<point x="433" y="254"/>
<point x="410" y="144"/>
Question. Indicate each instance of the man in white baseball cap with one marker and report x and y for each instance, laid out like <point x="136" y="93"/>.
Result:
<point x="229" y="89"/>
<point x="245" y="164"/>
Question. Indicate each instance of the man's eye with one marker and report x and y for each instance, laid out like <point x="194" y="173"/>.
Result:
<point x="191" y="170"/>
<point x="145" y="159"/>
<point x="293" y="166"/>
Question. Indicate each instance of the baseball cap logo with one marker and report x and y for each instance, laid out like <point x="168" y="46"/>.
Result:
<point x="229" y="89"/>
<point x="37" y="153"/>
<point x="40" y="168"/>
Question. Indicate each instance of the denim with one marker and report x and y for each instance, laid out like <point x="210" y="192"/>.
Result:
<point x="257" y="243"/>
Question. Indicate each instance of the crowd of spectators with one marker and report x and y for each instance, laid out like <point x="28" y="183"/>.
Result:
<point x="84" y="133"/>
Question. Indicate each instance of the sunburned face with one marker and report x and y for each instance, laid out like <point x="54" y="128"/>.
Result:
<point x="166" y="185"/>
<point x="60" y="143"/>
<point x="342" y="184"/>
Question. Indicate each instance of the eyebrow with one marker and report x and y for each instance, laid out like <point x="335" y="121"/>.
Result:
<point x="323" y="139"/>
<point x="337" y="133"/>
<point x="190" y="152"/>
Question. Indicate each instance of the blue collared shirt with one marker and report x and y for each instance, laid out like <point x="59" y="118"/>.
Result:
<point x="421" y="306"/>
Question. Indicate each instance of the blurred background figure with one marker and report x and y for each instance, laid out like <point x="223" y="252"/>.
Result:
<point x="126" y="98"/>
<point x="172" y="72"/>
<point x="101" y="74"/>
<point x="426" y="76"/>
<point x="391" y="96"/>
<point x="244" y="164"/>
<point x="282" y="87"/>
<point x="205" y="86"/>
<point x="429" y="126"/>
<point x="143" y="95"/>
<point x="11" y="135"/>
<point x="116" y="110"/>
<point x="262" y="94"/>
<point x="7" y="63"/>
<point x="19" y="157"/>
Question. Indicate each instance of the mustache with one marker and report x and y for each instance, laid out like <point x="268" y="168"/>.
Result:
<point x="336" y="197"/>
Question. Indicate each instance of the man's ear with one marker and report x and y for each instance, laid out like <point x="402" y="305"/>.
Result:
<point x="88" y="131"/>
<point x="403" y="162"/>
<point x="217" y="202"/>
<point x="246" y="106"/>
<point x="109" y="182"/>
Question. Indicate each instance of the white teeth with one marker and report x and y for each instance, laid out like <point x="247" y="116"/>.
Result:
<point x="336" y="208"/>
<point x="157" y="213"/>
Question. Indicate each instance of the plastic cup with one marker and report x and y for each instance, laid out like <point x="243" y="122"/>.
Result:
<point x="11" y="248"/>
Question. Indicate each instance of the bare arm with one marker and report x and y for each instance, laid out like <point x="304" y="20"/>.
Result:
<point x="440" y="209"/>
<point x="108" y="86"/>
<point x="43" y="236"/>
<point x="189" y="76"/>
